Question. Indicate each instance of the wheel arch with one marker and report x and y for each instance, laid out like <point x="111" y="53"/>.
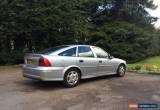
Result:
<point x="72" y="67"/>
<point x="123" y="65"/>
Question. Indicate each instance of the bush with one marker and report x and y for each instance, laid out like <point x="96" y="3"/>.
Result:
<point x="130" y="68"/>
<point x="138" y="67"/>
<point x="11" y="58"/>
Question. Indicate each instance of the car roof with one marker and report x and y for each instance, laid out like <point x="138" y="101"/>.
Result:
<point x="78" y="45"/>
<point x="68" y="47"/>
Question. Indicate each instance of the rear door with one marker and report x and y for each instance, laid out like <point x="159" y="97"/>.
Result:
<point x="105" y="65"/>
<point x="87" y="61"/>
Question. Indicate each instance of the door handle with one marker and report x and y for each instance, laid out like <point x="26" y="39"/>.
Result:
<point x="100" y="61"/>
<point x="81" y="61"/>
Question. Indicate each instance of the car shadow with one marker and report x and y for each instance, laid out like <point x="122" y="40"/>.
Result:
<point x="100" y="78"/>
<point x="33" y="85"/>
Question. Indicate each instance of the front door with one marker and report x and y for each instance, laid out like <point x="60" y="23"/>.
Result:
<point x="105" y="65"/>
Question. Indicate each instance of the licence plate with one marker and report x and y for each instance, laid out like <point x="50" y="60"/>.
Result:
<point x="30" y="61"/>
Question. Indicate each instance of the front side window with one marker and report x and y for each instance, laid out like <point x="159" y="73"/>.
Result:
<point x="69" y="52"/>
<point x="100" y="53"/>
<point x="84" y="51"/>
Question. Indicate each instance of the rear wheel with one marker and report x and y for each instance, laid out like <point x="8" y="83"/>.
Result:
<point x="121" y="70"/>
<point x="71" y="78"/>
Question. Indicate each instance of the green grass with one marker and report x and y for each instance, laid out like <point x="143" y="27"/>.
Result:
<point x="149" y="61"/>
<point x="152" y="61"/>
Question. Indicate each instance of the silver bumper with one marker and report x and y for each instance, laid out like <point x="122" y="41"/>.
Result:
<point x="43" y="73"/>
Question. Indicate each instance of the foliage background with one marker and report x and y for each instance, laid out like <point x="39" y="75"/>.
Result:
<point x="122" y="27"/>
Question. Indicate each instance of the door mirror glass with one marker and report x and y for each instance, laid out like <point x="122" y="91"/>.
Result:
<point x="110" y="56"/>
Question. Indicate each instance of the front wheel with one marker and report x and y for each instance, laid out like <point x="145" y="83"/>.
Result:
<point x="121" y="70"/>
<point x="71" y="78"/>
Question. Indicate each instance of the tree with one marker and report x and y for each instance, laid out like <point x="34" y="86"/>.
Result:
<point x="122" y="27"/>
<point x="126" y="29"/>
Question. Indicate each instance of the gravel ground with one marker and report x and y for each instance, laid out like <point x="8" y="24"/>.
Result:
<point x="103" y="93"/>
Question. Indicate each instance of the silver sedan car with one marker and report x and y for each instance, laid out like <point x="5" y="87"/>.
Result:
<point x="70" y="63"/>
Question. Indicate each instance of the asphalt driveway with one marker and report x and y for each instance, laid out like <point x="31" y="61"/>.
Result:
<point x="103" y="93"/>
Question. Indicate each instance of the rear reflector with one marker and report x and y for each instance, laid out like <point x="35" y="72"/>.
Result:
<point x="44" y="62"/>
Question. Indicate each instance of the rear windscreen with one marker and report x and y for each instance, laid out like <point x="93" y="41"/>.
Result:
<point x="51" y="50"/>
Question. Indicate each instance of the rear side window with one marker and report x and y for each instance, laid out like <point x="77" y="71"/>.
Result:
<point x="51" y="50"/>
<point x="69" y="52"/>
<point x="84" y="51"/>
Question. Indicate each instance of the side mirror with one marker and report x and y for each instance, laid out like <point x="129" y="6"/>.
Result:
<point x="110" y="56"/>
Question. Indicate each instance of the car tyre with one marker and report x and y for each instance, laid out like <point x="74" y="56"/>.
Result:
<point x="71" y="78"/>
<point x="121" y="70"/>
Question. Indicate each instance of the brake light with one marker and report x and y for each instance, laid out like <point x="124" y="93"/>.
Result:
<point x="44" y="62"/>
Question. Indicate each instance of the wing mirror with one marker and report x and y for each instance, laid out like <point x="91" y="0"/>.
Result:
<point x="110" y="56"/>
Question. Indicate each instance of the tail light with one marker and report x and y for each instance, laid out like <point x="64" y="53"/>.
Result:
<point x="44" y="62"/>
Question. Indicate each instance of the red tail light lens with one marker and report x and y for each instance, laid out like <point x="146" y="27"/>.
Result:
<point x="44" y="62"/>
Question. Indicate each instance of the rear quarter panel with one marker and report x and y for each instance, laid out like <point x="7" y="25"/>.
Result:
<point x="61" y="61"/>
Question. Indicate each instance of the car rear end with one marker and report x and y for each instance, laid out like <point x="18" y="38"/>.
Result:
<point x="41" y="67"/>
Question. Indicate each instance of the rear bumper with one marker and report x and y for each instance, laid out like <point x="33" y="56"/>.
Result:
<point x="43" y="73"/>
